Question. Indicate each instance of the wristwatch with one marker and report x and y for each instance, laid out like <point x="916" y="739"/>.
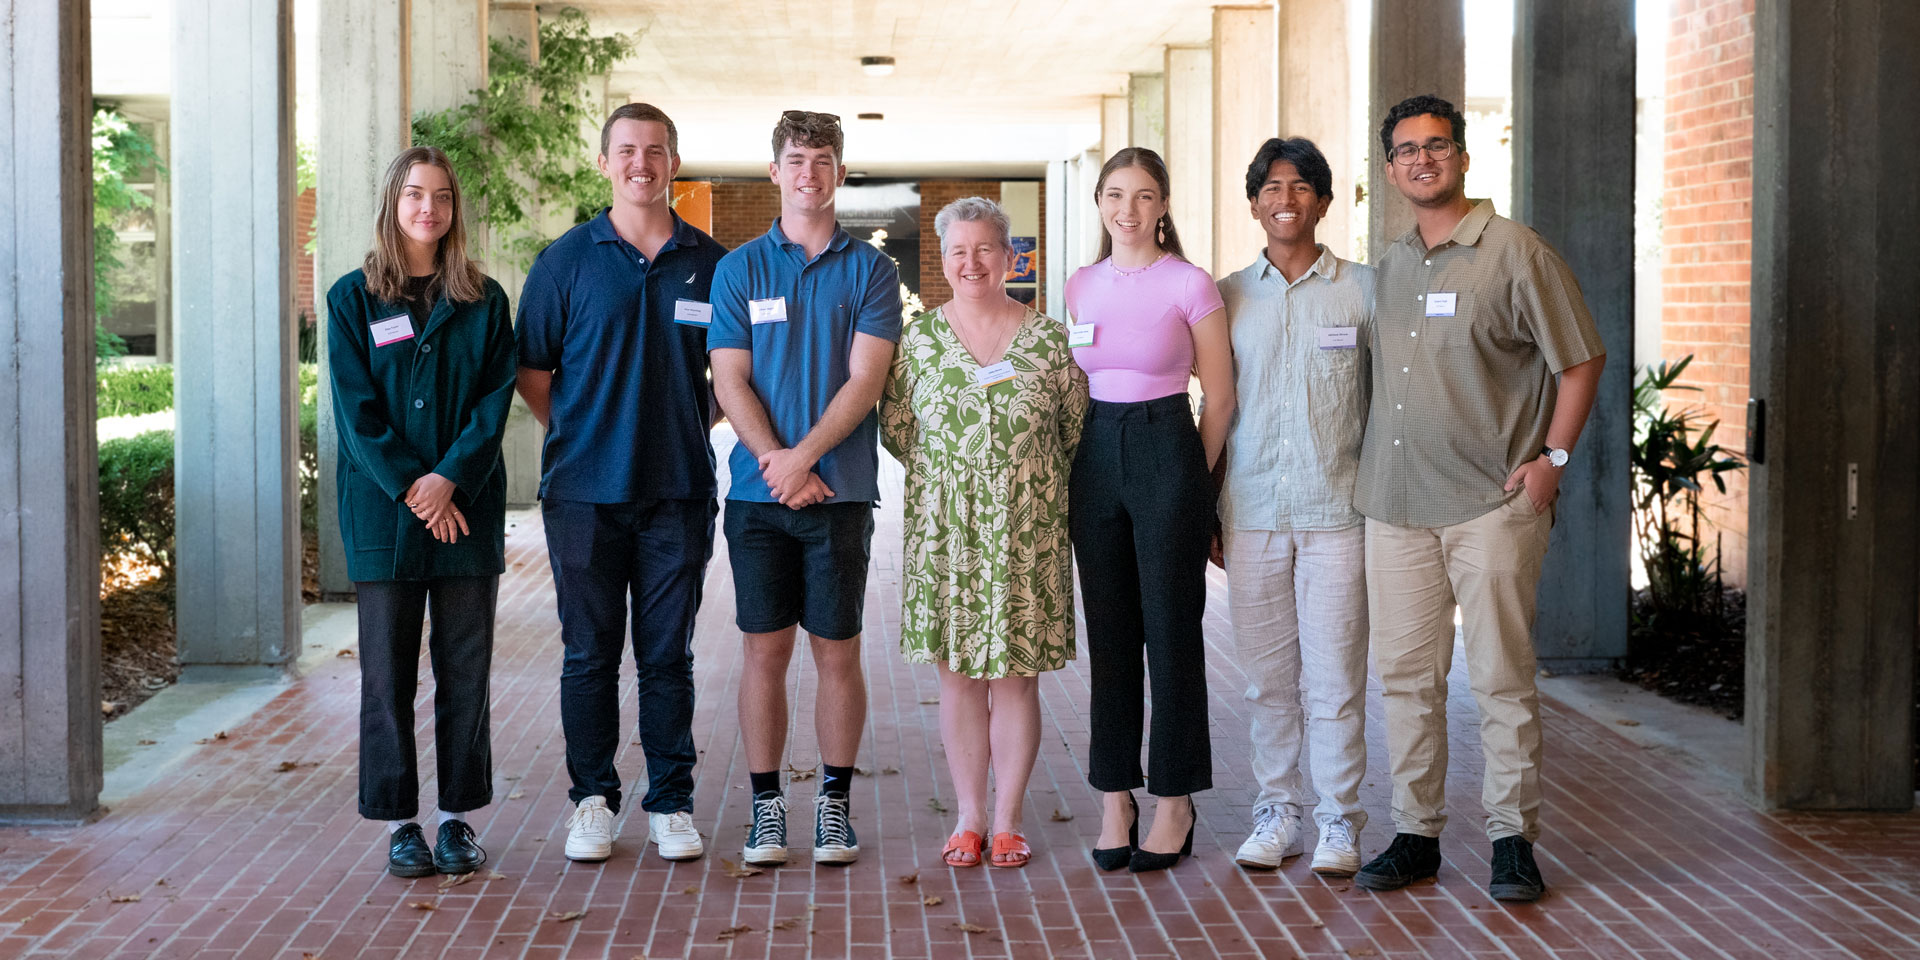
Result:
<point x="1556" y="456"/>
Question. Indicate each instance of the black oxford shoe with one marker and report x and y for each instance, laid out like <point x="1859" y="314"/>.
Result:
<point x="456" y="852"/>
<point x="407" y="853"/>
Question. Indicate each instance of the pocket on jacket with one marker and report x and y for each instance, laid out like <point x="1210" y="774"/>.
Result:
<point x="371" y="519"/>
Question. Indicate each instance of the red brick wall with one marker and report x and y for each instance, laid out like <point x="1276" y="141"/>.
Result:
<point x="304" y="294"/>
<point x="934" y="195"/>
<point x="1708" y="232"/>
<point x="743" y="210"/>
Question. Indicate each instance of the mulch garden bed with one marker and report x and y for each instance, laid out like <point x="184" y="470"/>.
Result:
<point x="1700" y="659"/>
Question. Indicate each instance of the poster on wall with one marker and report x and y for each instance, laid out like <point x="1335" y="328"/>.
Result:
<point x="1025" y="260"/>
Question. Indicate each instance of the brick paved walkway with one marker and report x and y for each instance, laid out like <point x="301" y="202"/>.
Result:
<point x="230" y="856"/>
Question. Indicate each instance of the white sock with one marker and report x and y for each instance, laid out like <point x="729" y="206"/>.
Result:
<point x="445" y="816"/>
<point x="393" y="826"/>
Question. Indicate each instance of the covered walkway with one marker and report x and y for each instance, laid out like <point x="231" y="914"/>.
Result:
<point x="250" y="847"/>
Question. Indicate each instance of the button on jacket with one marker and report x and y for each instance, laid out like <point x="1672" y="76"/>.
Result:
<point x="433" y="403"/>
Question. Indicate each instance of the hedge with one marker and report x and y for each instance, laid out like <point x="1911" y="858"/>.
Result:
<point x="136" y="497"/>
<point x="130" y="391"/>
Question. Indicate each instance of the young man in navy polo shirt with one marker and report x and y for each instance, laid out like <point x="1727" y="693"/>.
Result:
<point x="804" y="323"/>
<point x="613" y="361"/>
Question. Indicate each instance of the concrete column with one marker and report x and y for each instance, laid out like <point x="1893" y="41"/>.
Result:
<point x="512" y="20"/>
<point x="1189" y="152"/>
<point x="49" y="478"/>
<point x="162" y="252"/>
<point x="1245" y="102"/>
<point x="1573" y="162"/>
<point x="363" y="125"/>
<point x="1147" y="111"/>
<point x="1418" y="47"/>
<point x="446" y="52"/>
<point x="516" y="22"/>
<point x="1316" y="102"/>
<point x="236" y="492"/>
<point x="1115" y="126"/>
<point x="1055" y="239"/>
<point x="1834" y="509"/>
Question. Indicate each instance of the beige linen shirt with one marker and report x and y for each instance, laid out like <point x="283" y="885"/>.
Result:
<point x="1300" y="371"/>
<point x="1463" y="393"/>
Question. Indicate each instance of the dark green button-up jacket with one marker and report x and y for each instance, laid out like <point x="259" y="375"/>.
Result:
<point x="435" y="402"/>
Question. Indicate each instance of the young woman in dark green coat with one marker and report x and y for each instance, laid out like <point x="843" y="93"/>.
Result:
<point x="421" y="355"/>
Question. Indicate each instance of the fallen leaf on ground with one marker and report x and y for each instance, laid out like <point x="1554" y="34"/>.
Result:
<point x="737" y="871"/>
<point x="452" y="880"/>
<point x="147" y="743"/>
<point x="1363" y="952"/>
<point x="539" y="839"/>
<point x="1317" y="925"/>
<point x="889" y="771"/>
<point x="797" y="775"/>
<point x="1059" y="817"/>
<point x="931" y="901"/>
<point x="787" y="924"/>
<point x="911" y="878"/>
<point x="491" y="875"/>
<point x="346" y="652"/>
<point x="160" y="882"/>
<point x="124" y="898"/>
<point x="862" y="772"/>
<point x="691" y="888"/>
<point x="288" y="766"/>
<point x="731" y="932"/>
<point x="511" y="776"/>
<point x="422" y="905"/>
<point x="937" y="806"/>
<point x="1628" y="723"/>
<point x="517" y="794"/>
<point x="568" y="916"/>
<point x="966" y="927"/>
<point x="929" y="700"/>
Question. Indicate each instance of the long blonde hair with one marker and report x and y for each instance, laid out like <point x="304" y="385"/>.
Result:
<point x="455" y="276"/>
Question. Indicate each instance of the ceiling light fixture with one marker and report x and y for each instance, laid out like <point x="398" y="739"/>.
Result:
<point x="876" y="66"/>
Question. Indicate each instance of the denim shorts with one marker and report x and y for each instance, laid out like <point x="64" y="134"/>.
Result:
<point x="806" y="566"/>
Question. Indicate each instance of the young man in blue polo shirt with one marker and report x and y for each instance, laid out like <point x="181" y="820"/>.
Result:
<point x="613" y="361"/>
<point x="804" y="323"/>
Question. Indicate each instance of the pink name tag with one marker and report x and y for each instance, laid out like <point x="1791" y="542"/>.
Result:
<point x="392" y="330"/>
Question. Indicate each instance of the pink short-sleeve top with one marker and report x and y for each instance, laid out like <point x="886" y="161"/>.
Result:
<point x="1142" y="348"/>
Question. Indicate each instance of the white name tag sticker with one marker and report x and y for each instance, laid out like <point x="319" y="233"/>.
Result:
<point x="1440" y="304"/>
<point x="693" y="312"/>
<point x="1339" y="338"/>
<point x="768" y="311"/>
<point x="392" y="330"/>
<point x="988" y="376"/>
<point x="1079" y="334"/>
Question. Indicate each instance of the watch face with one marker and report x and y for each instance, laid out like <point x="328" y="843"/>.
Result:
<point x="1557" y="457"/>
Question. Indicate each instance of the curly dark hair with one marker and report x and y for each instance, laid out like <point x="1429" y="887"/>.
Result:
<point x="804" y="128"/>
<point x="1306" y="158"/>
<point x="1425" y="104"/>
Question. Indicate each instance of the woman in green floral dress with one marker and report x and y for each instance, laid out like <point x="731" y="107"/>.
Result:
<point x="983" y="407"/>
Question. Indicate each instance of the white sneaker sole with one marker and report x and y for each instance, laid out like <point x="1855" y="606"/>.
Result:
<point x="1335" y="864"/>
<point x="680" y="851"/>
<point x="1261" y="859"/>
<point x="764" y="856"/>
<point x="836" y="854"/>
<point x="589" y="853"/>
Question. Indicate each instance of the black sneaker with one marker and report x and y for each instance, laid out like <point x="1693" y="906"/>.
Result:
<point x="767" y="838"/>
<point x="456" y="852"/>
<point x="1515" y="875"/>
<point x="833" y="839"/>
<point x="1408" y="858"/>
<point x="407" y="853"/>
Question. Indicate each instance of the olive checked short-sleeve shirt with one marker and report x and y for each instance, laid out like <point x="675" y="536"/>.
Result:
<point x="1464" y="395"/>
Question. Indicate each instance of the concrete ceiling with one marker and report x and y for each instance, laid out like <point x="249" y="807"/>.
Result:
<point x="981" y="87"/>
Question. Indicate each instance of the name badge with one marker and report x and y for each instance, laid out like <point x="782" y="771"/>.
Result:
<point x="768" y="311"/>
<point x="692" y="312"/>
<point x="988" y="376"/>
<point x="1079" y="334"/>
<point x="1339" y="338"/>
<point x="1440" y="304"/>
<point x="392" y="330"/>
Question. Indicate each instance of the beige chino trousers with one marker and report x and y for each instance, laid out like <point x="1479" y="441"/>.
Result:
<point x="1490" y="565"/>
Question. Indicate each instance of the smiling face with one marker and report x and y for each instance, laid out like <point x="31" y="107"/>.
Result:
<point x="425" y="210"/>
<point x="976" y="260"/>
<point x="1427" y="182"/>
<point x="1287" y="207"/>
<point x="639" y="161"/>
<point x="807" y="177"/>
<point x="1131" y="206"/>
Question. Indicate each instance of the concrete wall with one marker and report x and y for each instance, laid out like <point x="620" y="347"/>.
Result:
<point x="1245" y="105"/>
<point x="50" y="763"/>
<point x="1147" y="111"/>
<point x="1189" y="152"/>
<point x="1418" y="47"/>
<point x="1315" y="101"/>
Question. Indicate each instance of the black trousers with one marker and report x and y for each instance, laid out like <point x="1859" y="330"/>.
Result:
<point x="652" y="554"/>
<point x="461" y="650"/>
<point x="1140" y="511"/>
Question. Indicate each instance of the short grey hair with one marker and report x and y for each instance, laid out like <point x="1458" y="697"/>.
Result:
<point x="978" y="209"/>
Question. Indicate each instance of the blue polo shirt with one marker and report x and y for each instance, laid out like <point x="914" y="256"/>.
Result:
<point x="630" y="391"/>
<point x="799" y="363"/>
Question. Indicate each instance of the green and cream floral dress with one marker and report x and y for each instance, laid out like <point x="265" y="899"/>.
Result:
<point x="987" y="583"/>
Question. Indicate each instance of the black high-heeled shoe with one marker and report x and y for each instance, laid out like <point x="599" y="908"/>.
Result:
<point x="1114" y="858"/>
<point x="1144" y="861"/>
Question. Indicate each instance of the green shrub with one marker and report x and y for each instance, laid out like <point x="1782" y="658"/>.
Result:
<point x="136" y="497"/>
<point x="131" y="391"/>
<point x="309" y="446"/>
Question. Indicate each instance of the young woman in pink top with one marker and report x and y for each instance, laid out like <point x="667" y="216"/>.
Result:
<point x="1140" y="506"/>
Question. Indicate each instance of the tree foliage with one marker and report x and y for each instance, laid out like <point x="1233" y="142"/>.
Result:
<point x="525" y="144"/>
<point x="1672" y="456"/>
<point x="120" y="153"/>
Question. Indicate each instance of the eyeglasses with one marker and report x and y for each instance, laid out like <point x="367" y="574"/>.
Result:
<point x="1436" y="149"/>
<point x="806" y="116"/>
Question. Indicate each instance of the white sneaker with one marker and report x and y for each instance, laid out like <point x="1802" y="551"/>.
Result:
<point x="674" y="834"/>
<point x="1338" y="854"/>
<point x="590" y="831"/>
<point x="1276" y="836"/>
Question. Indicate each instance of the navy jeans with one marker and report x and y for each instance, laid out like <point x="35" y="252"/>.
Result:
<point x="655" y="553"/>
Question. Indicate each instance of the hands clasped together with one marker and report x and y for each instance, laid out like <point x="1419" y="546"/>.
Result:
<point x="791" y="480"/>
<point x="431" y="500"/>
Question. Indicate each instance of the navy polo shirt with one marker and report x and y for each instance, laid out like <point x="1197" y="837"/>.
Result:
<point x="630" y="392"/>
<point x="800" y="363"/>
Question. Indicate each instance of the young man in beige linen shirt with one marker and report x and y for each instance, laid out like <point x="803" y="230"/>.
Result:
<point x="1485" y="365"/>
